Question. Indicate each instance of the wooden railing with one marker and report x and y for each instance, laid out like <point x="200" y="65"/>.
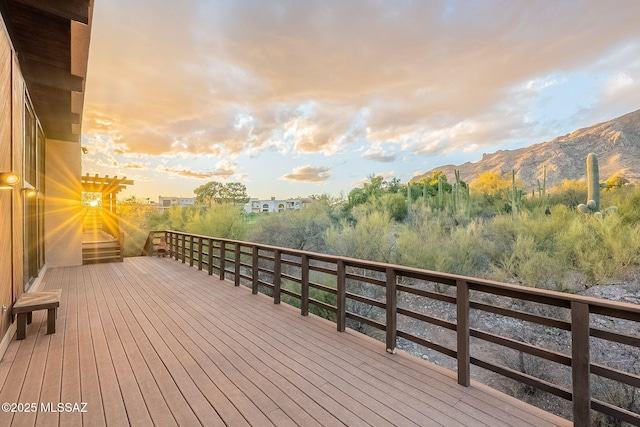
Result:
<point x="286" y="273"/>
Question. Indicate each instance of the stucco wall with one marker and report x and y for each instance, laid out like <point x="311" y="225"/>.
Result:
<point x="63" y="208"/>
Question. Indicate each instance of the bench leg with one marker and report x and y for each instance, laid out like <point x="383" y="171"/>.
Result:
<point x="29" y="317"/>
<point x="51" y="321"/>
<point x="22" y="326"/>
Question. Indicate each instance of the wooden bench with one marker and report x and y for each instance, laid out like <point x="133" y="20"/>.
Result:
<point x="31" y="301"/>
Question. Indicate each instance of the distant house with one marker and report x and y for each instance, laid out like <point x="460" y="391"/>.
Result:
<point x="167" y="202"/>
<point x="272" y="205"/>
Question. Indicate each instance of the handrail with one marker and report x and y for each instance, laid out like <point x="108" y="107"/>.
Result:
<point x="248" y="264"/>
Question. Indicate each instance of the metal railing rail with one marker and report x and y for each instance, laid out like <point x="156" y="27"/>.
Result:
<point x="248" y="264"/>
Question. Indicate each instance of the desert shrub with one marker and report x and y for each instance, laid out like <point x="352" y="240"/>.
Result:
<point x="434" y="245"/>
<point x="224" y="221"/>
<point x="395" y="205"/>
<point x="627" y="199"/>
<point x="525" y="263"/>
<point x="302" y="230"/>
<point x="370" y="238"/>
<point x="602" y="249"/>
<point x="569" y="193"/>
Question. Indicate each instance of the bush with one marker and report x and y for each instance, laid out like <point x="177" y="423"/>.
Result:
<point x="602" y="249"/>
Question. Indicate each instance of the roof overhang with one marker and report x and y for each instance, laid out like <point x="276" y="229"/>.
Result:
<point x="51" y="39"/>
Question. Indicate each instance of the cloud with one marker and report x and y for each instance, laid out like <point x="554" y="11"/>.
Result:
<point x="136" y="165"/>
<point x="378" y="154"/>
<point x="309" y="173"/>
<point x="223" y="171"/>
<point x="223" y="78"/>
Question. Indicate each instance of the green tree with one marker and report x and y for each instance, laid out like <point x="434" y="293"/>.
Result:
<point x="375" y="187"/>
<point x="395" y="205"/>
<point x="235" y="193"/>
<point x="616" y="181"/>
<point x="215" y="192"/>
<point x="208" y="193"/>
<point x="490" y="184"/>
<point x="357" y="196"/>
<point x="393" y="186"/>
<point x="431" y="184"/>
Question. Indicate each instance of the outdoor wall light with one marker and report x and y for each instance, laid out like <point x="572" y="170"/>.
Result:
<point x="8" y="180"/>
<point x="30" y="192"/>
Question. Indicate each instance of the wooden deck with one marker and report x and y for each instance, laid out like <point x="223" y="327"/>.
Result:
<point x="152" y="341"/>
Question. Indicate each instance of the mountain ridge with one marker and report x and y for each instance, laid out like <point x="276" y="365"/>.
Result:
<point x="616" y="143"/>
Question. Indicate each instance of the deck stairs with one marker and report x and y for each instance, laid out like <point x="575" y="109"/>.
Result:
<point x="98" y="245"/>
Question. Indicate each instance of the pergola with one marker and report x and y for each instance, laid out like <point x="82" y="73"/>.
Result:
<point x="109" y="187"/>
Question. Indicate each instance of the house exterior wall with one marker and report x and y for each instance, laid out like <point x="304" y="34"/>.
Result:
<point x="63" y="206"/>
<point x="167" y="202"/>
<point x="6" y="196"/>
<point x="273" y="205"/>
<point x="45" y="229"/>
<point x="17" y="109"/>
<point x="61" y="200"/>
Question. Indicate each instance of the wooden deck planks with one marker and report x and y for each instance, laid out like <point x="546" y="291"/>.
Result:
<point x="134" y="403"/>
<point x="297" y="354"/>
<point x="175" y="401"/>
<point x="71" y="390"/>
<point x="288" y="394"/>
<point x="288" y="366"/>
<point x="153" y="409"/>
<point x="154" y="342"/>
<point x="52" y="381"/>
<point x="90" y="384"/>
<point x="224" y="409"/>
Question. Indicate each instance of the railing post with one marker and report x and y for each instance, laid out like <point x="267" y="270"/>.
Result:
<point x="174" y="245"/>
<point x="222" y="259"/>
<point x="304" y="286"/>
<point x="277" y="279"/>
<point x="392" y="313"/>
<point x="199" y="253"/>
<point x="210" y="257"/>
<point x="236" y="262"/>
<point x="191" y="250"/>
<point x="341" y="296"/>
<point x="184" y="248"/>
<point x="166" y="239"/>
<point x="254" y="265"/>
<point x="462" y="330"/>
<point x="580" y="370"/>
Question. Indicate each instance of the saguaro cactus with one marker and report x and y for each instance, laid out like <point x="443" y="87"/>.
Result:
<point x="461" y="200"/>
<point x="542" y="188"/>
<point x="514" y="196"/>
<point x="593" y="189"/>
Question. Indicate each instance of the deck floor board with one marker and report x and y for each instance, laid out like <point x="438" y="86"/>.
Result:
<point x="152" y="341"/>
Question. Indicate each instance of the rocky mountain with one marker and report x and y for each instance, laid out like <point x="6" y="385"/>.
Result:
<point x="616" y="142"/>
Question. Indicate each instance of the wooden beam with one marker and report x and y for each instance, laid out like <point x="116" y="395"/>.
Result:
<point x="49" y="115"/>
<point x="62" y="136"/>
<point x="77" y="10"/>
<point x="48" y="75"/>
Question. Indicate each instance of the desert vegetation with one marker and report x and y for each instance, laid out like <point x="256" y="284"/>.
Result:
<point x="486" y="229"/>
<point x="490" y="228"/>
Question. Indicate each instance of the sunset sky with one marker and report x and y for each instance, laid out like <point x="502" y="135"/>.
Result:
<point x="294" y="98"/>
